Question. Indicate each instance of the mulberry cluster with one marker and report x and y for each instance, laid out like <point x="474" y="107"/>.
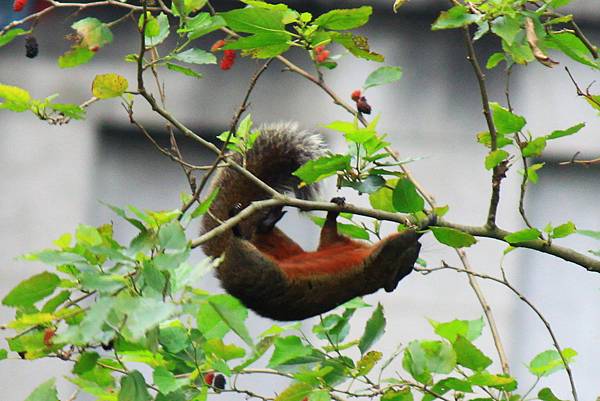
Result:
<point x="18" y="5"/>
<point x="227" y="60"/>
<point x="31" y="47"/>
<point x="321" y="54"/>
<point x="216" y="380"/>
<point x="228" y="55"/>
<point x="361" y="102"/>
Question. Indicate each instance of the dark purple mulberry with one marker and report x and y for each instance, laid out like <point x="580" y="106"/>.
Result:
<point x="31" y="47"/>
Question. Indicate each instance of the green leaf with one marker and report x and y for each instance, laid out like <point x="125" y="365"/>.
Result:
<point x="334" y="328"/>
<point x="184" y="70"/>
<point x="163" y="33"/>
<point x="10" y="35"/>
<point x="546" y="394"/>
<point x="559" y="3"/>
<point x="494" y="60"/>
<point x="535" y="147"/>
<point x="452" y="237"/>
<point x="528" y="234"/>
<point x="15" y="98"/>
<point x="3" y="354"/>
<point x="405" y="197"/>
<point x="496" y="381"/>
<point x="357" y="45"/>
<point x="166" y="381"/>
<point x="171" y="236"/>
<point x="370" y="184"/>
<point x="422" y="358"/>
<point x="233" y="314"/>
<point x="569" y="131"/>
<point x="507" y="27"/>
<point x="133" y="388"/>
<point x="483" y="27"/>
<point x="295" y="392"/>
<point x="593" y="101"/>
<point x="323" y="167"/>
<point x="44" y="392"/>
<point x="143" y="314"/>
<point x="519" y="52"/>
<point x="287" y="349"/>
<point x="319" y="395"/>
<point x="185" y="7"/>
<point x="344" y="19"/>
<point x="86" y="362"/>
<point x="106" y="86"/>
<point x="262" y="45"/>
<point x="350" y="230"/>
<point x="70" y="110"/>
<point x="548" y="362"/>
<point x="203" y="24"/>
<point x="469" y="329"/>
<point x="254" y="20"/>
<point x="486" y="139"/>
<point x="572" y="46"/>
<point x="34" y="289"/>
<point x="360" y="135"/>
<point x="397" y="395"/>
<point x="469" y="356"/>
<point x="532" y="174"/>
<point x="564" y="230"/>
<point x="367" y="362"/>
<point x="32" y="319"/>
<point x="342" y="126"/>
<point x="104" y="284"/>
<point x="374" y="329"/>
<point x="445" y="385"/>
<point x="590" y="233"/>
<point x="505" y="121"/>
<point x="88" y="235"/>
<point x="93" y="32"/>
<point x="226" y="352"/>
<point x="196" y="56"/>
<point x="90" y="328"/>
<point x="382" y="198"/>
<point x="76" y="56"/>
<point x="382" y="76"/>
<point x="494" y="158"/>
<point x="456" y="17"/>
<point x="152" y="25"/>
<point x="174" y="337"/>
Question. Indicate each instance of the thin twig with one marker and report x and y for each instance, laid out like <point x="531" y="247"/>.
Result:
<point x="585" y="94"/>
<point x="499" y="170"/>
<point x="488" y="312"/>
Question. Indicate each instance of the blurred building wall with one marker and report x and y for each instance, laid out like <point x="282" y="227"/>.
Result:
<point x="52" y="178"/>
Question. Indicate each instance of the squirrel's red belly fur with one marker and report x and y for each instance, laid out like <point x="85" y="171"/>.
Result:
<point x="335" y="259"/>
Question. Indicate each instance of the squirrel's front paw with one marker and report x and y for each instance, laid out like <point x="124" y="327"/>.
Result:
<point x="338" y="200"/>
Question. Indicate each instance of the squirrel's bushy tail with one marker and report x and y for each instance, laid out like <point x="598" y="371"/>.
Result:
<point x="280" y="149"/>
